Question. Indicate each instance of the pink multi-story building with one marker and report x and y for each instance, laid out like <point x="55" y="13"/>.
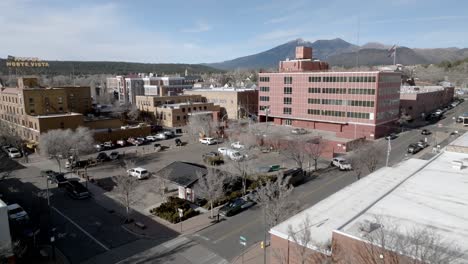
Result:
<point x="352" y="104"/>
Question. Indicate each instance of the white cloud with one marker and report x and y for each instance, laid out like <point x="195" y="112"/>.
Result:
<point x="280" y="34"/>
<point x="200" y="26"/>
<point x="91" y="32"/>
<point x="277" y="20"/>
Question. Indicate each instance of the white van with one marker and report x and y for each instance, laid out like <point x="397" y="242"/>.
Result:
<point x="139" y="173"/>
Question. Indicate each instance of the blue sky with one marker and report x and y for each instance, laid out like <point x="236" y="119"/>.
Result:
<point x="210" y="31"/>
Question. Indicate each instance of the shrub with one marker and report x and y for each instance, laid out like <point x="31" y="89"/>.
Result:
<point x="169" y="212"/>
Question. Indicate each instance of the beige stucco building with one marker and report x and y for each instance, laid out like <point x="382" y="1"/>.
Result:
<point x="174" y="111"/>
<point x="235" y="103"/>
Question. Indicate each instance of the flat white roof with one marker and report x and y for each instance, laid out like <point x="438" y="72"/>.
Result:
<point x="414" y="194"/>
<point x="222" y="89"/>
<point x="57" y="115"/>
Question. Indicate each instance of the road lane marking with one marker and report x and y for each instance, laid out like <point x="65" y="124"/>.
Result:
<point x="81" y="229"/>
<point x="175" y="242"/>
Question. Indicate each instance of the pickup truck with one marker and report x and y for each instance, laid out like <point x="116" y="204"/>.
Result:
<point x="208" y="141"/>
<point x="341" y="163"/>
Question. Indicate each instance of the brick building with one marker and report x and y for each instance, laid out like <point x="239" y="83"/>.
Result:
<point x="418" y="100"/>
<point x="380" y="218"/>
<point x="30" y="109"/>
<point x="351" y="104"/>
<point x="174" y="111"/>
<point x="235" y="103"/>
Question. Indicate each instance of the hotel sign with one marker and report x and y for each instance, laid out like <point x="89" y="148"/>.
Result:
<point x="13" y="61"/>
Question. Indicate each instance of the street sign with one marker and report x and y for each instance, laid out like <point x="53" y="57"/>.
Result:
<point x="243" y="241"/>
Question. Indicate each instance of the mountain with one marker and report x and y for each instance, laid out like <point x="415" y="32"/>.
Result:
<point x="341" y="53"/>
<point x="109" y="67"/>
<point x="322" y="49"/>
<point x="371" y="57"/>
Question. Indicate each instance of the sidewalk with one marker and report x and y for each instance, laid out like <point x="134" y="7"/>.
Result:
<point x="189" y="226"/>
<point x="253" y="255"/>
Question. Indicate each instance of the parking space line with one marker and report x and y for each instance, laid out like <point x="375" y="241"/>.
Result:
<point x="81" y="229"/>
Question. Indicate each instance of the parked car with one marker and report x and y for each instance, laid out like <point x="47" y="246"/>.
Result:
<point x="213" y="158"/>
<point x="6" y="147"/>
<point x="76" y="190"/>
<point x="169" y="133"/>
<point x="109" y="145"/>
<point x="161" y="136"/>
<point x="121" y="142"/>
<point x="208" y="141"/>
<point x="341" y="163"/>
<point x="423" y="144"/>
<point x="102" y="156"/>
<point x="266" y="169"/>
<point x="114" y="155"/>
<point x="235" y="206"/>
<point x="139" y="173"/>
<point x="414" y="148"/>
<point x="17" y="213"/>
<point x="459" y="120"/>
<point x="425" y="132"/>
<point x="298" y="131"/>
<point x="231" y="153"/>
<point x="57" y="178"/>
<point x="151" y="138"/>
<point x="14" y="153"/>
<point x="99" y="147"/>
<point x="391" y="136"/>
<point x="142" y="140"/>
<point x="237" y="145"/>
<point x="134" y="141"/>
<point x="76" y="164"/>
<point x="178" y="142"/>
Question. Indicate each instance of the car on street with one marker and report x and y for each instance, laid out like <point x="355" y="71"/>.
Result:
<point x="121" y="142"/>
<point x="139" y="173"/>
<point x="134" y="141"/>
<point x="151" y="138"/>
<point x="391" y="136"/>
<point x="266" y="169"/>
<point x="109" y="145"/>
<point x="341" y="163"/>
<point x="57" y="178"/>
<point x="237" y="145"/>
<point x="454" y="133"/>
<point x="299" y="131"/>
<point x="13" y="153"/>
<point x="235" y="206"/>
<point x="414" y="148"/>
<point x="17" y="213"/>
<point x="178" y="142"/>
<point x="99" y="147"/>
<point x="6" y="147"/>
<point x="114" y="155"/>
<point x="76" y="163"/>
<point x="208" y="141"/>
<point x="169" y="133"/>
<point x="425" y="132"/>
<point x="459" y="120"/>
<point x="423" y="144"/>
<point x="102" y="156"/>
<point x="76" y="190"/>
<point x="161" y="136"/>
<point x="142" y="140"/>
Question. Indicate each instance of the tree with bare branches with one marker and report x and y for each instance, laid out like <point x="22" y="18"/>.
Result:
<point x="386" y="242"/>
<point x="125" y="190"/>
<point x="200" y="125"/>
<point x="370" y="156"/>
<point x="161" y="184"/>
<point x="314" y="149"/>
<point x="211" y="186"/>
<point x="295" y="149"/>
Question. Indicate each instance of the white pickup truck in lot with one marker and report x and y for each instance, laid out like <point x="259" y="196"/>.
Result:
<point x="208" y="141"/>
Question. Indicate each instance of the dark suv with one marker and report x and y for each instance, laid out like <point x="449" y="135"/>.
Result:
<point x="76" y="190"/>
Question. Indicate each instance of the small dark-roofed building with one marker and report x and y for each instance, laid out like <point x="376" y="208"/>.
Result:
<point x="184" y="175"/>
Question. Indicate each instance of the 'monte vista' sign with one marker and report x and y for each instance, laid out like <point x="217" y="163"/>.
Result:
<point x="13" y="61"/>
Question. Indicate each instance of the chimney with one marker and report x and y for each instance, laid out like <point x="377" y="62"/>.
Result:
<point x="303" y="53"/>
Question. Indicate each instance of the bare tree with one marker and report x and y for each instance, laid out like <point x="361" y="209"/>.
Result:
<point x="133" y="113"/>
<point x="295" y="149"/>
<point x="357" y="165"/>
<point x="200" y="125"/>
<point x="242" y="168"/>
<point x="125" y="189"/>
<point x="56" y="144"/>
<point x="211" y="186"/>
<point x="161" y="184"/>
<point x="371" y="156"/>
<point x="59" y="143"/>
<point x="274" y="198"/>
<point x="314" y="148"/>
<point x="385" y="240"/>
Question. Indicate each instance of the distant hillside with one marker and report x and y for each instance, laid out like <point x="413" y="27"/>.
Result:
<point x="322" y="49"/>
<point x="341" y="53"/>
<point x="370" y="57"/>
<point x="109" y="67"/>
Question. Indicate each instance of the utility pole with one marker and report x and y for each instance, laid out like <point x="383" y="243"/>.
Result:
<point x="389" y="149"/>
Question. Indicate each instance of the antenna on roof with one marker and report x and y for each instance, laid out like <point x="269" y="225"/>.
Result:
<point x="358" y="29"/>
